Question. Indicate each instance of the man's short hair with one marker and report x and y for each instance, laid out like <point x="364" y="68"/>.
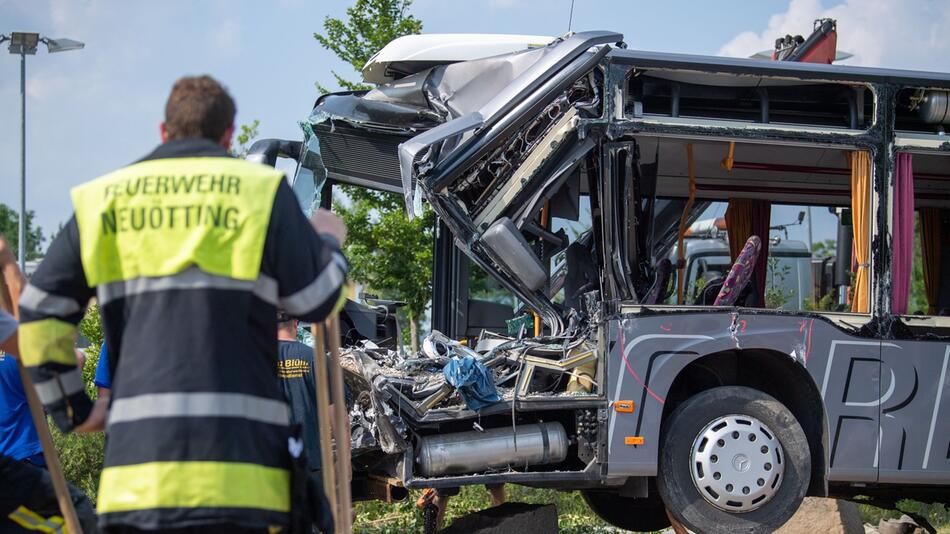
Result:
<point x="198" y="106"/>
<point x="284" y="320"/>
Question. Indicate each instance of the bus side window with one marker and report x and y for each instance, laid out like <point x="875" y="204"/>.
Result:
<point x="929" y="289"/>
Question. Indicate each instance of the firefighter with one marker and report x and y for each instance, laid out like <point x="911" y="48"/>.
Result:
<point x="189" y="252"/>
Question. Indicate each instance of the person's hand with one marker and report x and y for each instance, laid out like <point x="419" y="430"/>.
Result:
<point x="325" y="222"/>
<point x="96" y="422"/>
<point x="6" y="253"/>
<point x="80" y="359"/>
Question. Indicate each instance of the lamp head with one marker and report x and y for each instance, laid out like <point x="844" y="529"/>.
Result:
<point x="24" y="43"/>
<point x="62" y="45"/>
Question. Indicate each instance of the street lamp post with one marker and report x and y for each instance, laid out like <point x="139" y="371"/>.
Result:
<point x="24" y="44"/>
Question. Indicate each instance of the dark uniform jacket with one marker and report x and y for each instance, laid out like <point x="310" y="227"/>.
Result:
<point x="189" y="252"/>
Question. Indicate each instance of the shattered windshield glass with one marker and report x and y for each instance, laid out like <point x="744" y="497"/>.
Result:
<point x="311" y="173"/>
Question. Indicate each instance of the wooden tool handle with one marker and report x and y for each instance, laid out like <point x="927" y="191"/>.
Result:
<point x="322" y="383"/>
<point x="341" y="430"/>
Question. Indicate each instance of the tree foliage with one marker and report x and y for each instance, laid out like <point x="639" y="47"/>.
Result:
<point x="917" y="300"/>
<point x="369" y="26"/>
<point x="9" y="229"/>
<point x="245" y="136"/>
<point x="387" y="252"/>
<point x="824" y="249"/>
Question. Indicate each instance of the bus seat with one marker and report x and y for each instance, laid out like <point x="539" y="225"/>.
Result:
<point x="740" y="274"/>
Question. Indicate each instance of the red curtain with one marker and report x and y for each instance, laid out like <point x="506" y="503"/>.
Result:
<point x="903" y="233"/>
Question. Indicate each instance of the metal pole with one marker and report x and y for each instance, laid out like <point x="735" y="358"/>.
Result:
<point x="811" y="248"/>
<point x="21" y="243"/>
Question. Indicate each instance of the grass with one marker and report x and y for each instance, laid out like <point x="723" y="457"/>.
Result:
<point x="937" y="514"/>
<point x="573" y="515"/>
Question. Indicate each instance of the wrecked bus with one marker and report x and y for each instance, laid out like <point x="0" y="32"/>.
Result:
<point x="569" y="173"/>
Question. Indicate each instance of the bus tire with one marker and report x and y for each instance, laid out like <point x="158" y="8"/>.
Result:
<point x="733" y="459"/>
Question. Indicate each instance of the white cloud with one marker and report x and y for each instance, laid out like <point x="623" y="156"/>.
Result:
<point x="502" y="4"/>
<point x="46" y="85"/>
<point x="225" y="38"/>
<point x="884" y="33"/>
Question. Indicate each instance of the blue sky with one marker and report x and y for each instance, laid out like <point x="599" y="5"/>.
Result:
<point x="97" y="109"/>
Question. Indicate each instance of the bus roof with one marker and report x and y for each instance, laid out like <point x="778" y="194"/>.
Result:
<point x="785" y="69"/>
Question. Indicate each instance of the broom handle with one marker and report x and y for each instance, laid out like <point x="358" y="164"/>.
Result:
<point x="322" y="382"/>
<point x="344" y="500"/>
<point x="10" y="301"/>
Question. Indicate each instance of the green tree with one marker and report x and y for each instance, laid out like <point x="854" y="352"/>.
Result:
<point x="244" y="138"/>
<point x="9" y="229"/>
<point x="369" y="26"/>
<point x="824" y="249"/>
<point x="388" y="253"/>
<point x="917" y="301"/>
<point x="775" y="295"/>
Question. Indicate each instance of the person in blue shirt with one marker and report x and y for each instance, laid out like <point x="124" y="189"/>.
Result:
<point x="103" y="378"/>
<point x="18" y="438"/>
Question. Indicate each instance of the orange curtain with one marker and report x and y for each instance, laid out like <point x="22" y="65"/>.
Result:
<point x="930" y="255"/>
<point x="861" y="212"/>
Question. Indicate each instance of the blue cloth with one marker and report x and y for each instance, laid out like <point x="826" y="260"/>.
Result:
<point x="472" y="380"/>
<point x="103" y="378"/>
<point x="18" y="438"/>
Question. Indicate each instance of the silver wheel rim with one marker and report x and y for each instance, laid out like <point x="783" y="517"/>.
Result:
<point x="737" y="463"/>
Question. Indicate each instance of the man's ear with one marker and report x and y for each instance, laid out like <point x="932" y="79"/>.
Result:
<point x="225" y="140"/>
<point x="164" y="132"/>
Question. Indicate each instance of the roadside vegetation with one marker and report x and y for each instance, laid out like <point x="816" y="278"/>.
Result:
<point x="573" y="515"/>
<point x="9" y="229"/>
<point x="938" y="515"/>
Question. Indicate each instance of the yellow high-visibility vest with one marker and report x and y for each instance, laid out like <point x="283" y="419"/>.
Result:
<point x="159" y="217"/>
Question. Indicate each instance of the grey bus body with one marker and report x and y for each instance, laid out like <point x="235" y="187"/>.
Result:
<point x="868" y="391"/>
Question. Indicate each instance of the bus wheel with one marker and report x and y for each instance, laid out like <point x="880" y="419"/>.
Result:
<point x="639" y="515"/>
<point x="733" y="459"/>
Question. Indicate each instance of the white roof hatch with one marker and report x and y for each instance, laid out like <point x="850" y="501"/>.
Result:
<point x="414" y="53"/>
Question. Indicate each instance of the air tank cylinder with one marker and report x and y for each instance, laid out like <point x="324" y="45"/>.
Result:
<point x="934" y="108"/>
<point x="471" y="452"/>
